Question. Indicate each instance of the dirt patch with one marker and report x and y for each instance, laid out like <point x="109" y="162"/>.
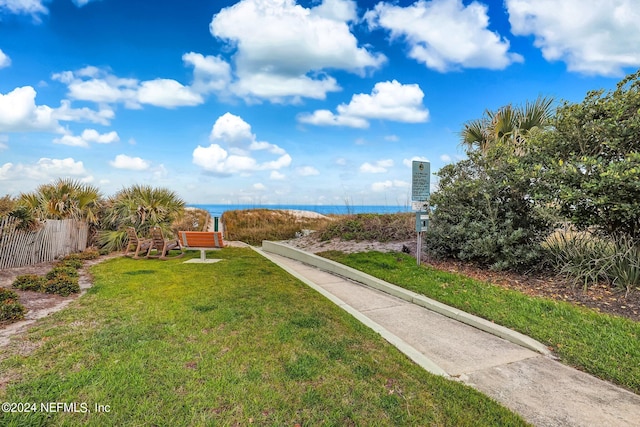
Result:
<point x="38" y="304"/>
<point x="601" y="297"/>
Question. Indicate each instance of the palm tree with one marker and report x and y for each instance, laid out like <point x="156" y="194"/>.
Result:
<point x="142" y="207"/>
<point x="507" y="125"/>
<point x="64" y="199"/>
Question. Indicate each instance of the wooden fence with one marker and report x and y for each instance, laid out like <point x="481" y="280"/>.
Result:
<point x="54" y="239"/>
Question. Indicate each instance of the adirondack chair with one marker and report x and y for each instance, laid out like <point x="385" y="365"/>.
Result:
<point x="162" y="245"/>
<point x="136" y="243"/>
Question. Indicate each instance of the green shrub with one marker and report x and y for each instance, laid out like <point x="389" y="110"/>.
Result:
<point x="62" y="271"/>
<point x="30" y="282"/>
<point x="70" y="262"/>
<point x="10" y="308"/>
<point x="62" y="284"/>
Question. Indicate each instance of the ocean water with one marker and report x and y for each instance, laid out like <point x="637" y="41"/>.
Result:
<point x="218" y="210"/>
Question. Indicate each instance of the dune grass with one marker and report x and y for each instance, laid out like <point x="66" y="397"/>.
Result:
<point x="252" y="226"/>
<point x="237" y="342"/>
<point x="603" y="345"/>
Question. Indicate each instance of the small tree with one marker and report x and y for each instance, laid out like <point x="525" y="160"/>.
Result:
<point x="589" y="162"/>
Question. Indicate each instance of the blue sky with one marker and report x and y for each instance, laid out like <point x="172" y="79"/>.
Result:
<point x="278" y="101"/>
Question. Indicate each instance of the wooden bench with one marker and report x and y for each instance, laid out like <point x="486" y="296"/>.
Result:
<point x="201" y="240"/>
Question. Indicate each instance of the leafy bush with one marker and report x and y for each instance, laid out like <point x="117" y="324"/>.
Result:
<point x="62" y="284"/>
<point x="484" y="214"/>
<point x="62" y="271"/>
<point x="10" y="308"/>
<point x="382" y="228"/>
<point x="30" y="282"/>
<point x="70" y="262"/>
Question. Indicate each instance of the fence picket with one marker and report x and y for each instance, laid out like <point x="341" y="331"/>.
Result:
<point x="56" y="238"/>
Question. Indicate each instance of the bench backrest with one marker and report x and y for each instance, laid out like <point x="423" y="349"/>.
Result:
<point x="201" y="239"/>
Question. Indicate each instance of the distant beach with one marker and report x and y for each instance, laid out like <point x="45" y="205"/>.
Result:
<point x="218" y="210"/>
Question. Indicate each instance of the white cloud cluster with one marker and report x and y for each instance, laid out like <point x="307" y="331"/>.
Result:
<point x="234" y="133"/>
<point x="97" y="85"/>
<point x="88" y="136"/>
<point x="389" y="100"/>
<point x="122" y="161"/>
<point x="283" y="48"/>
<point x="24" y="7"/>
<point x="45" y="169"/>
<point x="380" y="166"/>
<point x="19" y="113"/>
<point x="591" y="36"/>
<point x="445" y="34"/>
<point x="5" y="61"/>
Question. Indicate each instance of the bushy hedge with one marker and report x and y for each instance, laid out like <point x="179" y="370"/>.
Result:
<point x="382" y="228"/>
<point x="30" y="282"/>
<point x="10" y="308"/>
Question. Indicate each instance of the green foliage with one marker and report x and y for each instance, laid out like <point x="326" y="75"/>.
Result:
<point x="382" y="228"/>
<point x="588" y="258"/>
<point x="10" y="308"/>
<point x="62" y="284"/>
<point x="62" y="271"/>
<point x="141" y="207"/>
<point x="7" y="204"/>
<point x="483" y="213"/>
<point x="30" y="282"/>
<point x="64" y="199"/>
<point x="589" y="163"/>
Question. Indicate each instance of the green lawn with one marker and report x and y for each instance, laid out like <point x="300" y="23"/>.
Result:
<point x="162" y="343"/>
<point x="603" y="345"/>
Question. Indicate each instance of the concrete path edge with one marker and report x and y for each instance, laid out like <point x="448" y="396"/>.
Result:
<point x="421" y="300"/>
<point x="417" y="357"/>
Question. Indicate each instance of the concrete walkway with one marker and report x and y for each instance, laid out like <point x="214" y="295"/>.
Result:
<point x="507" y="366"/>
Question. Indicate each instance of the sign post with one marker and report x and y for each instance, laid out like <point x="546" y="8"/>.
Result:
<point x="420" y="189"/>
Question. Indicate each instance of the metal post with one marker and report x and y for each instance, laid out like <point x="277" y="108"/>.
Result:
<point x="419" y="248"/>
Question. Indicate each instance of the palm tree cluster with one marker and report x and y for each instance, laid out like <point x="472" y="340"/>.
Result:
<point x="508" y="125"/>
<point x="140" y="206"/>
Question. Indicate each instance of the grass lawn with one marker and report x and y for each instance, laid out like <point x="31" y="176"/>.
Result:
<point x="162" y="343"/>
<point x="603" y="345"/>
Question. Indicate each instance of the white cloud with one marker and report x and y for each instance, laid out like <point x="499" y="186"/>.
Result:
<point x="19" y="112"/>
<point x="5" y="61"/>
<point x="445" y="34"/>
<point x="234" y="133"/>
<point x="445" y="158"/>
<point x="26" y="7"/>
<point x="45" y="169"/>
<point x="591" y="36"/>
<point x="409" y="162"/>
<point x="167" y="93"/>
<point x="392" y="138"/>
<point x="277" y="176"/>
<point x="100" y="86"/>
<point x="388" y="100"/>
<point x="382" y="186"/>
<point x="285" y="59"/>
<point x="88" y="136"/>
<point x="307" y="171"/>
<point x="210" y="73"/>
<point x="381" y="166"/>
<point x="122" y="161"/>
<point x="259" y="186"/>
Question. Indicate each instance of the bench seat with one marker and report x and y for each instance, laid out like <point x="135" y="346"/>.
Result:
<point x="201" y="240"/>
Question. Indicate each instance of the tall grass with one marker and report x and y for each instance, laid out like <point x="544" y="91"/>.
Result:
<point x="252" y="226"/>
<point x="588" y="258"/>
<point x="383" y="228"/>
